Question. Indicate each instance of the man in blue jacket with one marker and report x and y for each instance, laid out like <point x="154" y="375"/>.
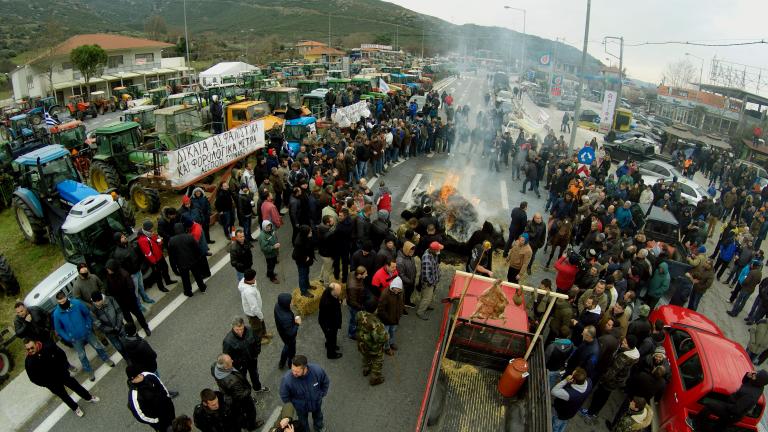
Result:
<point x="305" y="386"/>
<point x="73" y="324"/>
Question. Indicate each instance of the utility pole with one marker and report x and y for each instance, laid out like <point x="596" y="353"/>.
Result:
<point x="186" y="35"/>
<point x="621" y="63"/>
<point x="329" y="29"/>
<point x="522" y="55"/>
<point x="552" y="64"/>
<point x="422" y="43"/>
<point x="577" y="110"/>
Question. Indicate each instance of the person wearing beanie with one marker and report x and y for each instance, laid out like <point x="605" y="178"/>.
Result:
<point x="151" y="246"/>
<point x="148" y="399"/>
<point x="518" y="258"/>
<point x="391" y="307"/>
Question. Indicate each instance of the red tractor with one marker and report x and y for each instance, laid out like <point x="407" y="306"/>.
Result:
<point x="78" y="108"/>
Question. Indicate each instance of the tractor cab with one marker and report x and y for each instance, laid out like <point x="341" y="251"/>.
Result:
<point x="143" y="115"/>
<point x="315" y="103"/>
<point x="189" y="98"/>
<point x="178" y="126"/>
<point x="21" y="128"/>
<point x="338" y="84"/>
<point x="79" y="108"/>
<point x="179" y="84"/>
<point x="296" y="130"/>
<point x="41" y="106"/>
<point x="306" y="86"/>
<point x="71" y="135"/>
<point x="123" y="95"/>
<point x="157" y="95"/>
<point x="227" y="93"/>
<point x="49" y="171"/>
<point x="247" y="111"/>
<point x="280" y="98"/>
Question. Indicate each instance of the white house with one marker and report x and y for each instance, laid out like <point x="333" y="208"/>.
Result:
<point x="131" y="61"/>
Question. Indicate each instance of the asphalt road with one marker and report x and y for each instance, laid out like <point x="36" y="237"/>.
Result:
<point x="189" y="339"/>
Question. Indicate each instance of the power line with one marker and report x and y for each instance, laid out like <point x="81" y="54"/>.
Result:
<point x="753" y="42"/>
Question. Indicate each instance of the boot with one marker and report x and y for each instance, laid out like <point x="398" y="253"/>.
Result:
<point x="376" y="381"/>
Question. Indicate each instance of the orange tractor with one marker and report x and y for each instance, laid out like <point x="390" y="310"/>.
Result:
<point x="78" y="108"/>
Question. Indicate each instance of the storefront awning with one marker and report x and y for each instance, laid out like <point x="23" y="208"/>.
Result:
<point x="94" y="80"/>
<point x="109" y="78"/>
<point x="161" y="71"/>
<point x="683" y="133"/>
<point x="66" y="85"/>
<point x="126" y="75"/>
<point x="182" y="68"/>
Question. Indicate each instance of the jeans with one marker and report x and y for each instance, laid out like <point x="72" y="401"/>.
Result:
<point x="138" y="281"/>
<point x="391" y="330"/>
<point x="352" y="328"/>
<point x="114" y="339"/>
<point x="695" y="299"/>
<point x="317" y="418"/>
<point x="557" y="424"/>
<point x="741" y="300"/>
<point x="245" y="221"/>
<point x="239" y="275"/>
<point x="92" y="340"/>
<point x="289" y="350"/>
<point x="378" y="165"/>
<point x="303" y="278"/>
<point x="757" y="311"/>
<point x="227" y="221"/>
<point x="271" y="262"/>
<point x="362" y="169"/>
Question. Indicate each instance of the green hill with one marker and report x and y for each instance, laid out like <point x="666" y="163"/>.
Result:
<point x="224" y="29"/>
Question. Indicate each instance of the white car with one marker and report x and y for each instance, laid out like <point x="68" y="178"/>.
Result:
<point x="690" y="191"/>
<point x="659" y="169"/>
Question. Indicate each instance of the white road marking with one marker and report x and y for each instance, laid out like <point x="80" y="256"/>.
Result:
<point x="430" y="155"/>
<point x="372" y="182"/>
<point x="104" y="369"/>
<point x="409" y="192"/>
<point x="271" y="420"/>
<point x="504" y="198"/>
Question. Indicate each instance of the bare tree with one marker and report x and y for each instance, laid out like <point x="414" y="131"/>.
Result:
<point x="155" y="27"/>
<point x="680" y="74"/>
<point x="48" y="41"/>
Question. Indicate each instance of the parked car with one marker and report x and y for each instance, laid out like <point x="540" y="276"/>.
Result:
<point x="566" y="104"/>
<point x="639" y="149"/>
<point x="690" y="191"/>
<point x="705" y="366"/>
<point x="762" y="174"/>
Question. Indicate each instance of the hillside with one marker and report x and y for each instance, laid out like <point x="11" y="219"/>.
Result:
<point x="222" y="29"/>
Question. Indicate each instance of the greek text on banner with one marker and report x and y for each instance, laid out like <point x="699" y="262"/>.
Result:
<point x="207" y="156"/>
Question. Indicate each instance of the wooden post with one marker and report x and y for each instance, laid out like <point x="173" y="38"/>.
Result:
<point x="541" y="326"/>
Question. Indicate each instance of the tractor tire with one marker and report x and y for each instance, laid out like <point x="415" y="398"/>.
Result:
<point x="54" y="111"/>
<point x="6" y="365"/>
<point x="9" y="285"/>
<point x="145" y="199"/>
<point x="129" y="214"/>
<point x="102" y="176"/>
<point x="36" y="119"/>
<point x="33" y="228"/>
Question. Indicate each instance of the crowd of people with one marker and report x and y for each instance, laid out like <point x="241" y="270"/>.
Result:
<point x="599" y="339"/>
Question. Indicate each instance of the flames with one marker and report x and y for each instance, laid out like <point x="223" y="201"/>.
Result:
<point x="455" y="213"/>
<point x="449" y="188"/>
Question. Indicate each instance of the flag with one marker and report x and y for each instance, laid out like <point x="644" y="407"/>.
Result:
<point x="50" y="121"/>
<point x="383" y="87"/>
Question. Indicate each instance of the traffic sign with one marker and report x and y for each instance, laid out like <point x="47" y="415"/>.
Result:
<point x="586" y="155"/>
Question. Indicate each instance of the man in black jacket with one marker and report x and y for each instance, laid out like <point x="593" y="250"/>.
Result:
<point x="149" y="400"/>
<point x="185" y="255"/>
<point x="516" y="225"/>
<point x="240" y="255"/>
<point x="243" y="346"/>
<point x="215" y="413"/>
<point x="32" y="322"/>
<point x="329" y="317"/>
<point x="46" y="365"/>
<point x="735" y="407"/>
<point x="120" y="287"/>
<point x="130" y="258"/>
<point x="537" y="236"/>
<point x="109" y="319"/>
<point x="233" y="383"/>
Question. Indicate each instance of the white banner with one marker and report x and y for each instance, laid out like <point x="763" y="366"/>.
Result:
<point x="606" y="113"/>
<point x="203" y="158"/>
<point x="351" y="114"/>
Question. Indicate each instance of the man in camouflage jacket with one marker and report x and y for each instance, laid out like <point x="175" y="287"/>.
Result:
<point x="372" y="337"/>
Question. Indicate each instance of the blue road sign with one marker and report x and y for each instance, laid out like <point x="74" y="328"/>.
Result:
<point x="586" y="155"/>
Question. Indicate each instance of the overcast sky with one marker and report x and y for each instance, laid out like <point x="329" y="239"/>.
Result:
<point x="708" y="21"/>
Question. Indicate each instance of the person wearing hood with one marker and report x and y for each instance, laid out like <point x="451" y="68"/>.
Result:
<point x="518" y="257"/>
<point x="406" y="269"/>
<point x="638" y="416"/>
<point x="120" y="287"/>
<point x="304" y="256"/>
<point x="185" y="257"/>
<point x="329" y="318"/>
<point x="234" y="384"/>
<point x="149" y="400"/>
<point x="270" y="247"/>
<point x="615" y="377"/>
<point x="390" y="310"/>
<point x="130" y="258"/>
<point x="169" y="216"/>
<point x="658" y="285"/>
<point x="287" y="325"/>
<point x="151" y="246"/>
<point x="203" y="209"/>
<point x="736" y="406"/>
<point x="240" y="255"/>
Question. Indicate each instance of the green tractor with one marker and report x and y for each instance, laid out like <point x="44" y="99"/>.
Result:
<point x="177" y="126"/>
<point x="143" y="115"/>
<point x="120" y="159"/>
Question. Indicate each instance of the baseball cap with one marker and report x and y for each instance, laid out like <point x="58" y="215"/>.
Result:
<point x="436" y="246"/>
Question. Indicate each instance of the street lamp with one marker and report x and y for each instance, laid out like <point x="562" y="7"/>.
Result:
<point x="522" y="59"/>
<point x="701" y="71"/>
<point x="577" y="108"/>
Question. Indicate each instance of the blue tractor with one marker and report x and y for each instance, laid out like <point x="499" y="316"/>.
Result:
<point x="295" y="130"/>
<point x="48" y="185"/>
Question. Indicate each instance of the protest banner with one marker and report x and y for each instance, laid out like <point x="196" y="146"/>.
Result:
<point x="348" y="115"/>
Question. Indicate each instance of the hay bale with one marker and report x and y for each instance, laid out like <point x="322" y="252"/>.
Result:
<point x="307" y="306"/>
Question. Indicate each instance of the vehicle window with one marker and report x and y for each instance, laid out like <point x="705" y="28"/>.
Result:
<point x="691" y="373"/>
<point x="239" y="115"/>
<point x="687" y="190"/>
<point x="648" y="151"/>
<point x="713" y="396"/>
<point x="681" y="342"/>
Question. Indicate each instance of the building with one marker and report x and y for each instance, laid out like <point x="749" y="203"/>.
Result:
<point x="304" y="46"/>
<point x="373" y="54"/>
<point x="130" y="61"/>
<point x="323" y="55"/>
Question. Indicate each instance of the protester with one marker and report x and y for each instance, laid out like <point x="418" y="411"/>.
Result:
<point x="305" y="386"/>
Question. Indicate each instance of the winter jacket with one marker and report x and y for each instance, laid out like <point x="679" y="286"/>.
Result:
<point x="406" y="265"/>
<point x="585" y="356"/>
<point x="38" y="329"/>
<point x="183" y="250"/>
<point x="242" y="349"/>
<point x="753" y="278"/>
<point x="758" y="337"/>
<point x="224" y="419"/>
<point x="518" y="222"/>
<point x="557" y="353"/>
<point x="659" y="283"/>
<point x="225" y="200"/>
<point x="73" y="324"/>
<point x="682" y="292"/>
<point x="232" y="383"/>
<point x="251" y="299"/>
<point x="356" y="292"/>
<point x="727" y="251"/>
<point x="268" y="240"/>
<point x="49" y="367"/>
<point x="562" y="314"/>
<point x="109" y="317"/>
<point x="537" y="234"/>
<point x="120" y="286"/>
<point x="566" y="274"/>
<point x="165" y="225"/>
<point x="391" y="307"/>
<point x="519" y="256"/>
<point x="138" y="352"/>
<point x="305" y="392"/>
<point x="151" y="247"/>
<point x="129" y="256"/>
<point x="616" y="375"/>
<point x="329" y="314"/>
<point x="84" y="288"/>
<point x="150" y="402"/>
<point x="326" y="241"/>
<point x="303" y="250"/>
<point x="240" y="256"/>
<point x="201" y="205"/>
<point x="705" y="277"/>
<point x="635" y="421"/>
<point x="642" y="383"/>
<point x="284" y="318"/>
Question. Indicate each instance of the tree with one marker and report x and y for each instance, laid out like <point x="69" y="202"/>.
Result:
<point x="48" y="41"/>
<point x="90" y="61"/>
<point x="383" y="39"/>
<point x="679" y="74"/>
<point x="155" y="26"/>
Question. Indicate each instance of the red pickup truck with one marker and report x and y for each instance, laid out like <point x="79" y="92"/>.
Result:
<point x="705" y="365"/>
